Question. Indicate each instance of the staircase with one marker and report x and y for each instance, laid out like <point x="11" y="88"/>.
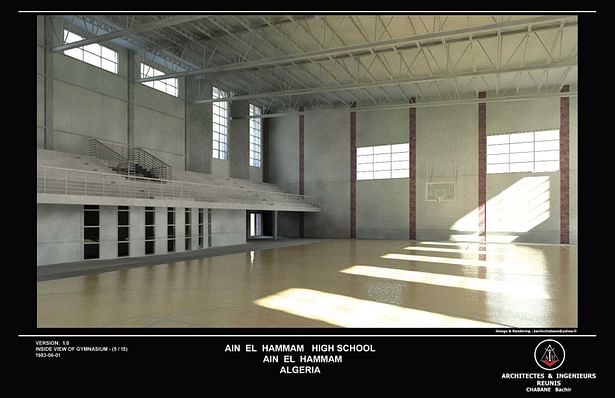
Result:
<point x="139" y="163"/>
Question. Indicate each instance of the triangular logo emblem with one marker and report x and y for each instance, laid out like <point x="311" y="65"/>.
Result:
<point x="549" y="358"/>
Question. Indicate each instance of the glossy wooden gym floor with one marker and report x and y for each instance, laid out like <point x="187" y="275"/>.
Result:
<point x="343" y="283"/>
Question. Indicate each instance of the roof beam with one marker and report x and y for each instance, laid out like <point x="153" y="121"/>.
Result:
<point x="434" y="78"/>
<point x="363" y="48"/>
<point x="141" y="28"/>
<point x="429" y="104"/>
<point x="260" y="27"/>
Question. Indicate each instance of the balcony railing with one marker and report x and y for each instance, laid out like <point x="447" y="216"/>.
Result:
<point x="56" y="180"/>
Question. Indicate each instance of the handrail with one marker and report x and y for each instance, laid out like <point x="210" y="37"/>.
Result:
<point x="150" y="162"/>
<point x="109" y="156"/>
<point x="109" y="184"/>
<point x="135" y="157"/>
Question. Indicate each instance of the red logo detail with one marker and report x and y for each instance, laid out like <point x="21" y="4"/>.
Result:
<point x="550" y="363"/>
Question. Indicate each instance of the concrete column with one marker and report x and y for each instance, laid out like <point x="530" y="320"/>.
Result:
<point x="239" y="140"/>
<point x="301" y="169"/>
<point x="108" y="231"/>
<point x="130" y="103"/>
<point x="209" y="227"/>
<point x="160" y="230"/>
<point x="265" y="150"/>
<point x="180" y="233"/>
<point x="353" y="173"/>
<point x="412" y="179"/>
<point x="137" y="231"/>
<point x="49" y="44"/>
<point x="59" y="233"/>
<point x="275" y="225"/>
<point x="564" y="167"/>
<point x="198" y="119"/>
<point x="195" y="228"/>
<point x="482" y="168"/>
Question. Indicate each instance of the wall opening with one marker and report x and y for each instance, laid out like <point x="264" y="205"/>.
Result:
<point x="91" y="232"/>
<point x="200" y="228"/>
<point x="150" y="235"/>
<point x="171" y="229"/>
<point x="188" y="228"/>
<point x="123" y="231"/>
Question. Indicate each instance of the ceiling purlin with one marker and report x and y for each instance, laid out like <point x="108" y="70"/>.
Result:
<point x="228" y="53"/>
<point x="278" y="49"/>
<point x="321" y="46"/>
<point x="237" y="84"/>
<point x="300" y="49"/>
<point x="344" y="43"/>
<point x="257" y="51"/>
<point x="240" y="33"/>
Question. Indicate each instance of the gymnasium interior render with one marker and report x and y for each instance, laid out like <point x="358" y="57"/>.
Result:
<point x="306" y="171"/>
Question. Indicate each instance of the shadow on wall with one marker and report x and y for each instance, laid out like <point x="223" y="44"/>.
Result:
<point x="518" y="209"/>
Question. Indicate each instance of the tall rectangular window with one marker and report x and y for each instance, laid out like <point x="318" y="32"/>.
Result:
<point x="123" y="231"/>
<point x="528" y="152"/>
<point x="93" y="54"/>
<point x="168" y="86"/>
<point x="188" y="228"/>
<point x="200" y="228"/>
<point x="91" y="232"/>
<point x="150" y="234"/>
<point x="220" y="125"/>
<point x="383" y="162"/>
<point x="171" y="229"/>
<point x="255" y="136"/>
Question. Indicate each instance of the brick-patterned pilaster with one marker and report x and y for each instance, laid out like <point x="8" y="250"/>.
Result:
<point x="564" y="167"/>
<point x="301" y="171"/>
<point x="482" y="168"/>
<point x="412" y="177"/>
<point x="353" y="173"/>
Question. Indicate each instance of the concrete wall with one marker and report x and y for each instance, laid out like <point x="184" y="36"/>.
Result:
<point x="108" y="231"/>
<point x="88" y="102"/>
<point x="137" y="231"/>
<point x="443" y="134"/>
<point x="574" y="169"/>
<point x="40" y="81"/>
<point x="327" y="172"/>
<point x="239" y="140"/>
<point x="91" y="102"/>
<point x="220" y="168"/>
<point x="160" y="125"/>
<point x="446" y="134"/>
<point x="283" y="152"/>
<point x="160" y="230"/>
<point x="524" y="206"/>
<point x="382" y="205"/>
<point x="281" y="137"/>
<point x="59" y="233"/>
<point x="256" y="174"/>
<point x="198" y="128"/>
<point x="180" y="243"/>
<point x="228" y="227"/>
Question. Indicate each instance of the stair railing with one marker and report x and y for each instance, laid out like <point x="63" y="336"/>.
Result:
<point x="109" y="156"/>
<point x="149" y="162"/>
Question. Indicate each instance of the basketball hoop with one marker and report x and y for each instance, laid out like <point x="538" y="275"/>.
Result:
<point x="441" y="179"/>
